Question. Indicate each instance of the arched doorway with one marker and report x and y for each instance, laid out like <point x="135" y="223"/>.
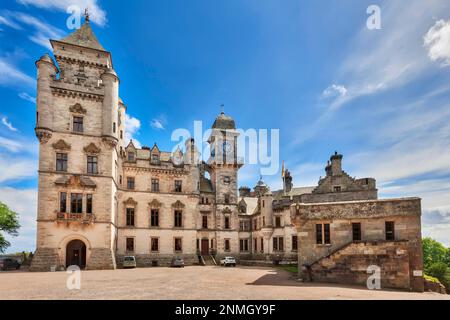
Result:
<point x="76" y="254"/>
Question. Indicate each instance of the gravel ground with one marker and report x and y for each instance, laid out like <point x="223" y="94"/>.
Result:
<point x="194" y="282"/>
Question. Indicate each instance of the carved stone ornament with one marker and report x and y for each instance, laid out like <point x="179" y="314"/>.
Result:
<point x="77" y="108"/>
<point x="92" y="149"/>
<point x="155" y="204"/>
<point x="226" y="210"/>
<point x="130" y="202"/>
<point x="61" y="145"/>
<point x="178" y="205"/>
<point x="43" y="135"/>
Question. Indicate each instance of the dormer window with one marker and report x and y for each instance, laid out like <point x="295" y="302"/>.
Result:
<point x="155" y="158"/>
<point x="131" y="156"/>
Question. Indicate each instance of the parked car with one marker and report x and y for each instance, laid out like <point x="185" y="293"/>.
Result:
<point x="8" y="263"/>
<point x="228" y="261"/>
<point x="177" y="262"/>
<point x="129" y="262"/>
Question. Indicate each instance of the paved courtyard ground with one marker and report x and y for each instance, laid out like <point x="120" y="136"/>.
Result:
<point x="193" y="282"/>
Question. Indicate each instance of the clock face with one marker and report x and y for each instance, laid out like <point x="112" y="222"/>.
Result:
<point x="227" y="147"/>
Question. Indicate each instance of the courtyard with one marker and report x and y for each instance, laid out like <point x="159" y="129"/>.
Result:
<point x="191" y="283"/>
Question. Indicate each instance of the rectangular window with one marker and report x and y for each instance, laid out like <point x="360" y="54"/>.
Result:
<point x="154" y="244"/>
<point x="76" y="203"/>
<point x="114" y="127"/>
<point x="61" y="162"/>
<point x="205" y="222"/>
<point x="130" y="183"/>
<point x="154" y="217"/>
<point x="337" y="189"/>
<point x="155" y="157"/>
<point x="178" y="217"/>
<point x="227" y="199"/>
<point x="262" y="245"/>
<point x="390" y="230"/>
<point x="227" y="244"/>
<point x="255" y="245"/>
<point x="130" y="217"/>
<point x="89" y="203"/>
<point x="92" y="166"/>
<point x="130" y="244"/>
<point x="356" y="230"/>
<point x="277" y="222"/>
<point x="278" y="244"/>
<point x="227" y="222"/>
<point x="294" y="243"/>
<point x="155" y="185"/>
<point x="178" y="245"/>
<point x="243" y="245"/>
<point x="63" y="202"/>
<point x="178" y="184"/>
<point x="323" y="234"/>
<point x="78" y="124"/>
<point x="131" y="156"/>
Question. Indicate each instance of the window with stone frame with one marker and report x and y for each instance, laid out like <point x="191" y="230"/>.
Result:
<point x="255" y="244"/>
<point x="89" y="203"/>
<point x="178" y="245"/>
<point x="92" y="164"/>
<point x="130" y="217"/>
<point x="262" y="245"/>
<point x="278" y="243"/>
<point x="323" y="233"/>
<point x="227" y="245"/>
<point x="337" y="189"/>
<point x="78" y="124"/>
<point x="243" y="245"/>
<point x="178" y="185"/>
<point x="204" y="221"/>
<point x="154" y="217"/>
<point x="294" y="243"/>
<point x="63" y="202"/>
<point x="178" y="219"/>
<point x="226" y="179"/>
<point x="155" y="185"/>
<point x="131" y="156"/>
<point x="76" y="203"/>
<point x="154" y="244"/>
<point x="130" y="183"/>
<point x="390" y="230"/>
<point x="226" y="222"/>
<point x="61" y="162"/>
<point x="356" y="231"/>
<point x="227" y="198"/>
<point x="130" y="244"/>
<point x="277" y="222"/>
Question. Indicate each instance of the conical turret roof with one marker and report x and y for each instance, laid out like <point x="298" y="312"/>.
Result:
<point x="84" y="37"/>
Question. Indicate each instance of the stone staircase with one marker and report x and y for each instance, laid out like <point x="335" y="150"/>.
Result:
<point x="209" y="260"/>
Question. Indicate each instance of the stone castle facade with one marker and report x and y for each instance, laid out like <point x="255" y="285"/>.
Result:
<point x="100" y="198"/>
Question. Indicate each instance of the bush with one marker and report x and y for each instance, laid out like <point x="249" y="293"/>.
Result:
<point x="440" y="271"/>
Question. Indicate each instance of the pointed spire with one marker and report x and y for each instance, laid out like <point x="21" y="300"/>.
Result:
<point x="84" y="36"/>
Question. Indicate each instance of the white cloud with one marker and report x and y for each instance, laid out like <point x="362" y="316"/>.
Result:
<point x="334" y="91"/>
<point x="8" y="124"/>
<point x="437" y="42"/>
<point x="11" y="76"/>
<point x="27" y="97"/>
<point x="17" y="168"/>
<point x="9" y="22"/>
<point x="10" y="145"/>
<point x="158" y="123"/>
<point x="24" y="202"/>
<point x="97" y="14"/>
<point x="132" y="126"/>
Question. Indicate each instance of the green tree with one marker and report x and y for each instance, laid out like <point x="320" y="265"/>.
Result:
<point x="433" y="252"/>
<point x="9" y="223"/>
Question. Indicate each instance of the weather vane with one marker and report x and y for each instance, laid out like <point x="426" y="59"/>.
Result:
<point x="222" y="107"/>
<point x="86" y="14"/>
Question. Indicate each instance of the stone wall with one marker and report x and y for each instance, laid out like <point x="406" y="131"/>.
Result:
<point x="350" y="264"/>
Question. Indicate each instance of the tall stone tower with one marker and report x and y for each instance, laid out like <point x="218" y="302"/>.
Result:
<point x="224" y="165"/>
<point x="79" y="124"/>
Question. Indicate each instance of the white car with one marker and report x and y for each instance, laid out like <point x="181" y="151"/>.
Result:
<point x="228" y="261"/>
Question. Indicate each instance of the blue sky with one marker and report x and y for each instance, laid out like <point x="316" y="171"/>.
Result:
<point x="309" y="68"/>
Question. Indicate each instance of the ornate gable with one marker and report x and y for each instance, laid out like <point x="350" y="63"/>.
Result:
<point x="178" y="205"/>
<point x="61" y="145"/>
<point x="77" y="108"/>
<point x="130" y="202"/>
<point x="155" y="204"/>
<point x="92" y="148"/>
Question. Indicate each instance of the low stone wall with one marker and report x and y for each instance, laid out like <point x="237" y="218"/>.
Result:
<point x="434" y="286"/>
<point x="350" y="264"/>
<point x="44" y="259"/>
<point x="101" y="258"/>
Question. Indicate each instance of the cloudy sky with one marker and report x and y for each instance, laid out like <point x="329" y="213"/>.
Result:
<point x="309" y="68"/>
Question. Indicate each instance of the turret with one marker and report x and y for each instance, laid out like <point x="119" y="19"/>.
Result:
<point x="336" y="164"/>
<point x="287" y="182"/>
<point x="121" y="122"/>
<point x="192" y="154"/>
<point x="266" y="208"/>
<point x="110" y="104"/>
<point x="46" y="72"/>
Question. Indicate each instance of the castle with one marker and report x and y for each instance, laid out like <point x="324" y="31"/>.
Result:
<point x="101" y="198"/>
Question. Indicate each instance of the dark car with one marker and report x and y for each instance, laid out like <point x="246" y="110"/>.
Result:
<point x="8" y="263"/>
<point x="177" y="262"/>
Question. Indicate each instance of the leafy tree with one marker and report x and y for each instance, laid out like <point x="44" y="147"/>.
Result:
<point x="433" y="252"/>
<point x="9" y="223"/>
